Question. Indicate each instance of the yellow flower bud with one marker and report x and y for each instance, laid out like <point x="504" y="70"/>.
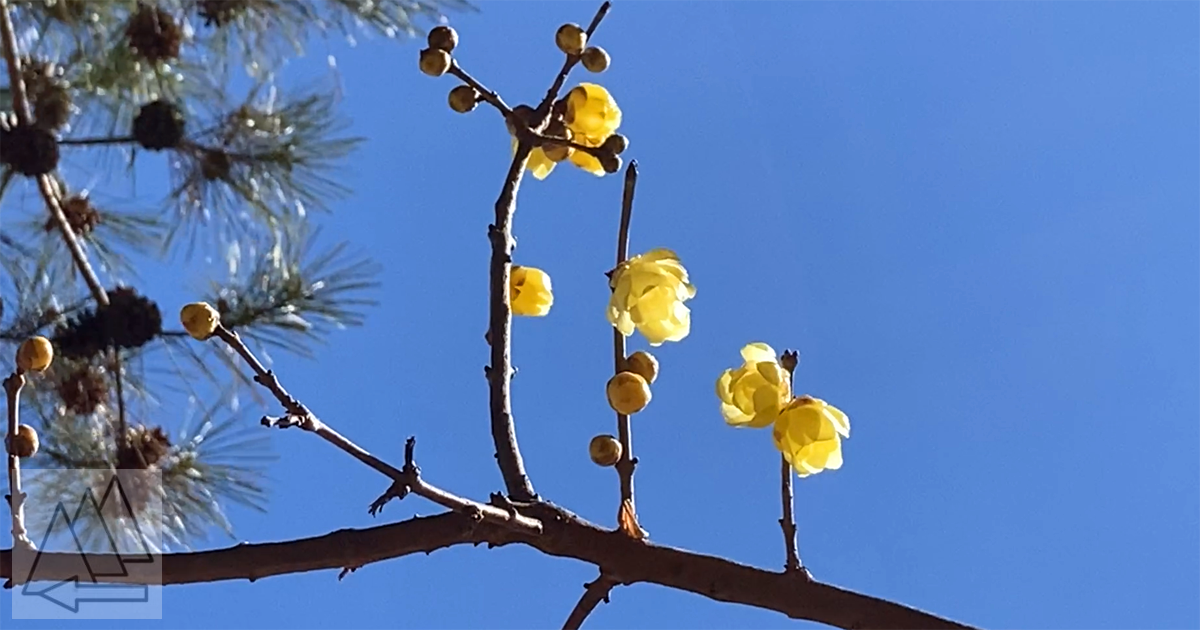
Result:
<point x="463" y="98"/>
<point x="24" y="443"/>
<point x="570" y="39"/>
<point x="649" y="292"/>
<point x="595" y="59"/>
<point x="529" y="291"/>
<point x="754" y="394"/>
<point x="610" y="162"/>
<point x="605" y="450"/>
<point x="443" y="38"/>
<point x="35" y="354"/>
<point x="644" y="364"/>
<point x="628" y="393"/>
<point x="809" y="433"/>
<point x="435" y="61"/>
<point x="199" y="319"/>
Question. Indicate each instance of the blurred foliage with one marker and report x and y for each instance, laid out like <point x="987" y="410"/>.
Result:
<point x="245" y="184"/>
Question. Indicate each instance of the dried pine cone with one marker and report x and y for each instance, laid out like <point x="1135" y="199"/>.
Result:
<point x="30" y="151"/>
<point x="144" y="449"/>
<point x="129" y="321"/>
<point x="215" y="164"/>
<point x="154" y="34"/>
<point x="84" y="390"/>
<point x="47" y="91"/>
<point x="81" y="214"/>
<point x="159" y="125"/>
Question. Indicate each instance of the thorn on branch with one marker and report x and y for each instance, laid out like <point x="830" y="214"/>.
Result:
<point x="395" y="491"/>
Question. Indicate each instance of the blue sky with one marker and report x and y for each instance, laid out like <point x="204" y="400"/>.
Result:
<point x="977" y="222"/>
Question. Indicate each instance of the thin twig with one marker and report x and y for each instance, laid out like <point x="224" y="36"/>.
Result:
<point x="489" y="96"/>
<point x="543" y="109"/>
<point x="46" y="185"/>
<point x="499" y="372"/>
<point x="403" y="480"/>
<point x="627" y="512"/>
<point x="594" y="592"/>
<point x="12" y="388"/>
<point x="788" y="521"/>
<point x="411" y="481"/>
<point x="95" y="141"/>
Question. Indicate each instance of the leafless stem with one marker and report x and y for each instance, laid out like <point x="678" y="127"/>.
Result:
<point x="499" y="372"/>
<point x="627" y="512"/>
<point x="46" y="185"/>
<point x="788" y="521"/>
<point x="594" y="592"/>
<point x="12" y="388"/>
<point x="543" y="109"/>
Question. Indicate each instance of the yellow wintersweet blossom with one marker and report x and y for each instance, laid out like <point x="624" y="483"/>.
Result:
<point x="648" y="294"/>
<point x="809" y="433"/>
<point x="754" y="394"/>
<point x="592" y="116"/>
<point x="529" y="291"/>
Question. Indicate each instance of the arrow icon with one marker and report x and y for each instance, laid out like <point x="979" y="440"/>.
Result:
<point x="69" y="593"/>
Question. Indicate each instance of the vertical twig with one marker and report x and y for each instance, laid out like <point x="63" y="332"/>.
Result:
<point x="46" y="185"/>
<point x="12" y="389"/>
<point x="627" y="513"/>
<point x="787" y="522"/>
<point x="499" y="372"/>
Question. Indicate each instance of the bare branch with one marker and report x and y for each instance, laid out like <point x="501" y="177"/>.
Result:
<point x="627" y="511"/>
<point x="16" y="498"/>
<point x="499" y="372"/>
<point x="594" y="592"/>
<point x="625" y="560"/>
<point x="787" y="522"/>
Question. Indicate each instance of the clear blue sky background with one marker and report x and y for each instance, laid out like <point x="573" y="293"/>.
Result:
<point x="977" y="221"/>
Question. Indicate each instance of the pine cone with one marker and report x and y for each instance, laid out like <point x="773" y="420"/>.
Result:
<point x="144" y="448"/>
<point x="84" y="390"/>
<point x="129" y="321"/>
<point x="30" y="151"/>
<point x="47" y="91"/>
<point x="215" y="164"/>
<point x="159" y="125"/>
<point x="154" y="34"/>
<point x="81" y="214"/>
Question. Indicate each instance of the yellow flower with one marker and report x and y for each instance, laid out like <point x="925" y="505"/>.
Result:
<point x="529" y="291"/>
<point x="592" y="116"/>
<point x="648" y="294"/>
<point x="809" y="433"/>
<point x="754" y="394"/>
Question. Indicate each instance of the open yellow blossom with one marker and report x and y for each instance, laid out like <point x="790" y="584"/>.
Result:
<point x="754" y="394"/>
<point x="648" y="294"/>
<point x="809" y="433"/>
<point x="592" y="116"/>
<point x="529" y="291"/>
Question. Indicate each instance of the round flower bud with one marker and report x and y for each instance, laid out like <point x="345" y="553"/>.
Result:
<point x="443" y="38"/>
<point x="463" y="99"/>
<point x="570" y="39"/>
<point x="628" y="393"/>
<point x="35" y="354"/>
<point x="435" y="61"/>
<point x="595" y="59"/>
<point x="610" y="162"/>
<point x="605" y="450"/>
<point x="24" y="443"/>
<point x="200" y="320"/>
<point x="643" y="364"/>
<point x="616" y="143"/>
